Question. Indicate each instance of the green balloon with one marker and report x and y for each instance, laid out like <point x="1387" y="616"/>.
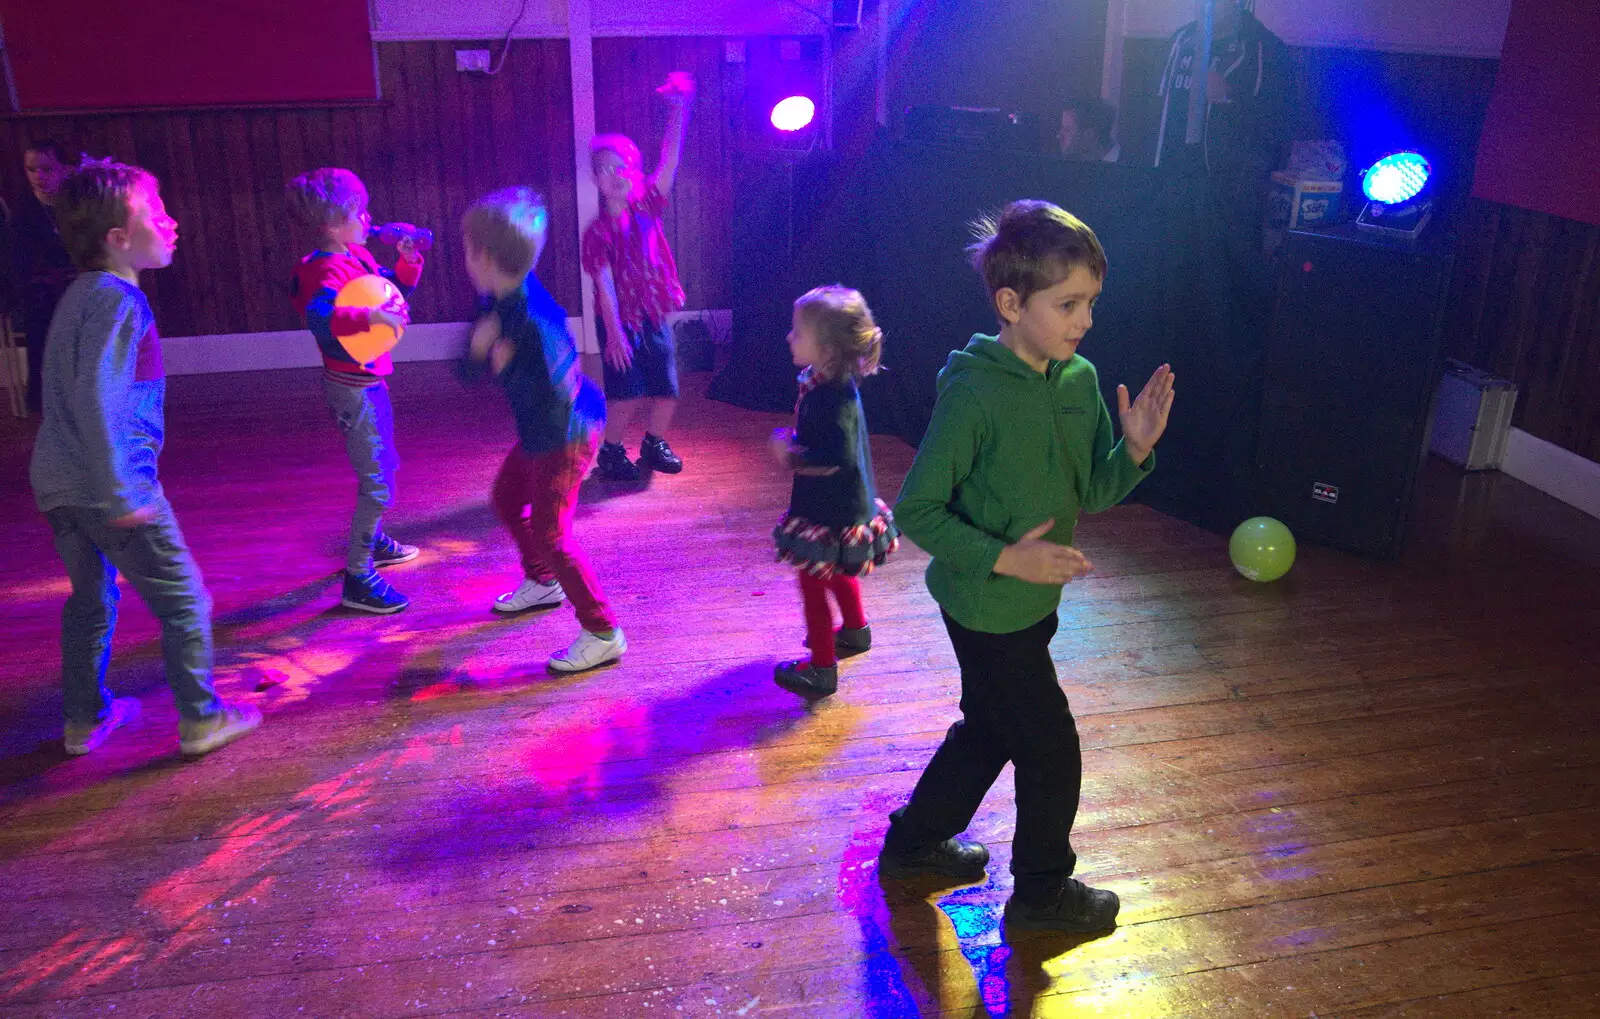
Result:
<point x="1262" y="549"/>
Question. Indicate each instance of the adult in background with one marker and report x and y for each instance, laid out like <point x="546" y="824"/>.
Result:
<point x="1247" y="119"/>
<point x="39" y="261"/>
<point x="1086" y="131"/>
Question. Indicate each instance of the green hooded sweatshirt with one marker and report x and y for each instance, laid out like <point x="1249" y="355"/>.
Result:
<point x="1008" y="448"/>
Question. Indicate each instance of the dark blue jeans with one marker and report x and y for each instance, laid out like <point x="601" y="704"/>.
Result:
<point x="366" y="420"/>
<point x="158" y="565"/>
<point x="1012" y="710"/>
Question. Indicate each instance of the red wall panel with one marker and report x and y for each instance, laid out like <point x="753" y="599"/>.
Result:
<point x="1541" y="138"/>
<point x="112" y="54"/>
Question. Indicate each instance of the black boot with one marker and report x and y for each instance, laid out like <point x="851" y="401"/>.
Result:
<point x="614" y="465"/>
<point x="656" y="455"/>
<point x="1074" y="908"/>
<point x="805" y="678"/>
<point x="957" y="859"/>
<point x="847" y="642"/>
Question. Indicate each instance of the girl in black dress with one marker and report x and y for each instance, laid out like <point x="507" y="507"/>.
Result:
<point x="836" y="528"/>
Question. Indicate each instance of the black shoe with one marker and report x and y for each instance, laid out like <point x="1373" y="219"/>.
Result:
<point x="1076" y="909"/>
<point x="805" y="678"/>
<point x="614" y="465"/>
<point x="369" y="592"/>
<point x="953" y="858"/>
<point x="848" y="642"/>
<point x="387" y="552"/>
<point x="656" y="455"/>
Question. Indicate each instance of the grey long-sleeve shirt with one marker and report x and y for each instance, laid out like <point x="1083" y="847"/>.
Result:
<point x="104" y="400"/>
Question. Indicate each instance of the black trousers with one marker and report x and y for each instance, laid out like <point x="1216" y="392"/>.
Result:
<point x="1012" y="710"/>
<point x="35" y="322"/>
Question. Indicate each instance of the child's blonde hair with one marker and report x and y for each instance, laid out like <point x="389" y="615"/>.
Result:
<point x="509" y="226"/>
<point x="324" y="198"/>
<point x="844" y="329"/>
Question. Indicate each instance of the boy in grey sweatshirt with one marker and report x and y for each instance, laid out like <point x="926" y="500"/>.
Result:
<point x="94" y="466"/>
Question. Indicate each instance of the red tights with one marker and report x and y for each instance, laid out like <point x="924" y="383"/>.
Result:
<point x="819" y="616"/>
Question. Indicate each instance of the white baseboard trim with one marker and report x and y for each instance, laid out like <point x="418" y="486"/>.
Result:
<point x="1558" y="472"/>
<point x="294" y="348"/>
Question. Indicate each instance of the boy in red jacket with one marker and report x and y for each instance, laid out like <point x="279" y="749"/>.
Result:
<point x="333" y="204"/>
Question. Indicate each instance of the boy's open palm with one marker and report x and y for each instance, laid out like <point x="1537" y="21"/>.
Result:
<point x="1145" y="418"/>
<point x="1038" y="561"/>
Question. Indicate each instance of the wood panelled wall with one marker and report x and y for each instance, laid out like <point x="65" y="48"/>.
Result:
<point x="436" y="141"/>
<point x="1525" y="304"/>
<point x="1525" y="296"/>
<point x="699" y="220"/>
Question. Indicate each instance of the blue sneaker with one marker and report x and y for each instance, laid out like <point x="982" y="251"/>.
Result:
<point x="387" y="552"/>
<point x="368" y="592"/>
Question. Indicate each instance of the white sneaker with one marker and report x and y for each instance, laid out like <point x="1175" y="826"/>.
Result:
<point x="590" y="651"/>
<point x="227" y="725"/>
<point x="81" y="739"/>
<point x="531" y="595"/>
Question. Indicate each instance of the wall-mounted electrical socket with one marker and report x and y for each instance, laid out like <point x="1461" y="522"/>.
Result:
<point x="472" y="60"/>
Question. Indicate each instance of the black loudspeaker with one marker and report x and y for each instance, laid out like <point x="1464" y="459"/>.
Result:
<point x="790" y="233"/>
<point x="1353" y="359"/>
<point x="964" y="127"/>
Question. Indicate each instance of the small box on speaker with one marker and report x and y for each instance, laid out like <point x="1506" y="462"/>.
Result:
<point x="1297" y="203"/>
<point x="1472" y="417"/>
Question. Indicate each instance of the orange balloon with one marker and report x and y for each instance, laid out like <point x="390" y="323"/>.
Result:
<point x="371" y="291"/>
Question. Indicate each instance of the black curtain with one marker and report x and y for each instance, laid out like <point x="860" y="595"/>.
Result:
<point x="895" y="225"/>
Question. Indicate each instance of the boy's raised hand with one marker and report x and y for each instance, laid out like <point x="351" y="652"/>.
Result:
<point x="1145" y="419"/>
<point x="679" y="87"/>
<point x="1038" y="561"/>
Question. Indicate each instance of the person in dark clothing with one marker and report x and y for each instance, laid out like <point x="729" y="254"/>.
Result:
<point x="40" y="265"/>
<point x="836" y="528"/>
<point x="1247" y="92"/>
<point x="1086" y="130"/>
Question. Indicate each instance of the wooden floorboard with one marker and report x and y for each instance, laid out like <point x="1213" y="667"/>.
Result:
<point x="1366" y="790"/>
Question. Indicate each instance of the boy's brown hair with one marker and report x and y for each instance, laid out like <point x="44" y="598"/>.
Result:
<point x="326" y="197"/>
<point x="845" y="330"/>
<point x="92" y="202"/>
<point x="1032" y="246"/>
<point x="49" y="147"/>
<point x="509" y="226"/>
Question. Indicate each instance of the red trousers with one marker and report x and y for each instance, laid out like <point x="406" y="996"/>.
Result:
<point x="536" y="497"/>
<point x="819" y="616"/>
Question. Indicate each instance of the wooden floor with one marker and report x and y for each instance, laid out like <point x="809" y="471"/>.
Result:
<point x="1366" y="790"/>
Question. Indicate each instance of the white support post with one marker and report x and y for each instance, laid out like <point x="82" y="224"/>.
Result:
<point x="580" y="43"/>
<point x="1111" y="58"/>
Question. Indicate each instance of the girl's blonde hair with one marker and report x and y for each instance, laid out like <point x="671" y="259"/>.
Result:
<point x="844" y="329"/>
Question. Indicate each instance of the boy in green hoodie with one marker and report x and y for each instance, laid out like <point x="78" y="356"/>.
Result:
<point x="1019" y="444"/>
